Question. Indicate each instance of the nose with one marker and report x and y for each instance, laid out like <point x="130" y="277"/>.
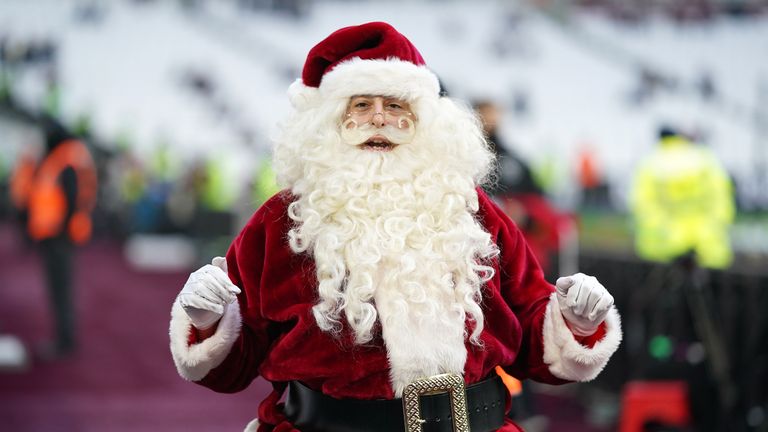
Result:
<point x="378" y="119"/>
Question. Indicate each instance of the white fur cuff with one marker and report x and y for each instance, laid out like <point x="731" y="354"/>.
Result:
<point x="252" y="426"/>
<point x="567" y="358"/>
<point x="193" y="362"/>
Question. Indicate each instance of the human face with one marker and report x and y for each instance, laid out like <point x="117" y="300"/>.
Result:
<point x="378" y="123"/>
<point x="489" y="115"/>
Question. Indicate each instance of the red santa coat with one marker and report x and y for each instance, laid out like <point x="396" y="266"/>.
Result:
<point x="271" y="331"/>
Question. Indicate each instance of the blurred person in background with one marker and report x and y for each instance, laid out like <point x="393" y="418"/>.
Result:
<point x="125" y="187"/>
<point x="513" y="174"/>
<point x="214" y="215"/>
<point x="682" y="202"/>
<point x="595" y="191"/>
<point x="264" y="184"/>
<point x="683" y="205"/>
<point x="20" y="184"/>
<point x="516" y="191"/>
<point x="383" y="270"/>
<point x="150" y="211"/>
<point x="58" y="196"/>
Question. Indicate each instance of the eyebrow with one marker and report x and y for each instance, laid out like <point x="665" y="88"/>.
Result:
<point x="375" y="96"/>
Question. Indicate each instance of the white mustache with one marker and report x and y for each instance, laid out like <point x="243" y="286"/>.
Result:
<point x="355" y="134"/>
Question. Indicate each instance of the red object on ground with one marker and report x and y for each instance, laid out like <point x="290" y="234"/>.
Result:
<point x="665" y="402"/>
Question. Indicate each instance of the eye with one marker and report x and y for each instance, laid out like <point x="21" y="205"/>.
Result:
<point x="395" y="106"/>
<point x="359" y="106"/>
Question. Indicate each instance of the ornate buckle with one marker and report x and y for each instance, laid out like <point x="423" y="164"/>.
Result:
<point x="453" y="384"/>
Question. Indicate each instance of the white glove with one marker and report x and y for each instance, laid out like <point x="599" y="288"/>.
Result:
<point x="584" y="302"/>
<point x="207" y="293"/>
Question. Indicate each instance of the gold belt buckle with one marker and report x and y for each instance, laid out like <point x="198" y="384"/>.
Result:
<point x="453" y="384"/>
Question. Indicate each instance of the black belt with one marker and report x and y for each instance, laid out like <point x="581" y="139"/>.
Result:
<point x="313" y="411"/>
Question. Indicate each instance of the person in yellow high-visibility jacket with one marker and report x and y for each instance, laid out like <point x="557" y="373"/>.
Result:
<point x="682" y="201"/>
<point x="264" y="183"/>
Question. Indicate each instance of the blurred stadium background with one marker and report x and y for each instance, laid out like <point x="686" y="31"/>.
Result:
<point x="177" y="101"/>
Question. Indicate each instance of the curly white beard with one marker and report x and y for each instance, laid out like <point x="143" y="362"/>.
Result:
<point x="393" y="234"/>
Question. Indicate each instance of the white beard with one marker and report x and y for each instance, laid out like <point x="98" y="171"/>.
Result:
<point x="395" y="241"/>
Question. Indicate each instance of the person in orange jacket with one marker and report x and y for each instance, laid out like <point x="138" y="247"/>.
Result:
<point x="58" y="197"/>
<point x="20" y="183"/>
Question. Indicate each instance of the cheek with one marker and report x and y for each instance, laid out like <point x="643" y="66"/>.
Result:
<point x="405" y="123"/>
<point x="349" y="124"/>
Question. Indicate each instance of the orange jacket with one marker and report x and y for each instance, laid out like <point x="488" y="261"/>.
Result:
<point x="589" y="176"/>
<point x="21" y="180"/>
<point x="47" y="202"/>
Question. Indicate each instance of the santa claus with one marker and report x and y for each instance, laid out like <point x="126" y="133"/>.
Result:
<point x="382" y="287"/>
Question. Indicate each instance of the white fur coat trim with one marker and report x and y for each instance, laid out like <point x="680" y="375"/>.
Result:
<point x="391" y="77"/>
<point x="193" y="362"/>
<point x="252" y="426"/>
<point x="567" y="358"/>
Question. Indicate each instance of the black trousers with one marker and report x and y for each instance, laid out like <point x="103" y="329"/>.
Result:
<point x="57" y="261"/>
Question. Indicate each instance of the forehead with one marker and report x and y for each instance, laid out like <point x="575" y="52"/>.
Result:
<point x="382" y="97"/>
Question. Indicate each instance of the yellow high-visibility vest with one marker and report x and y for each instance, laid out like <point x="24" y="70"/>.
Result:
<point x="682" y="201"/>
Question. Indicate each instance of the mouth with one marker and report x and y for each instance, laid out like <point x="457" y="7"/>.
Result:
<point x="377" y="143"/>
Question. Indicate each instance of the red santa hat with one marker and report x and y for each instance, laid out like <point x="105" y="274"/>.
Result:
<point x="371" y="58"/>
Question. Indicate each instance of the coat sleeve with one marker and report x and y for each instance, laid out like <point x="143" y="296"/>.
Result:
<point x="229" y="360"/>
<point x="549" y="352"/>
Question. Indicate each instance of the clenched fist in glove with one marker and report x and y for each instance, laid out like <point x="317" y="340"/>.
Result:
<point x="584" y="302"/>
<point x="207" y="293"/>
